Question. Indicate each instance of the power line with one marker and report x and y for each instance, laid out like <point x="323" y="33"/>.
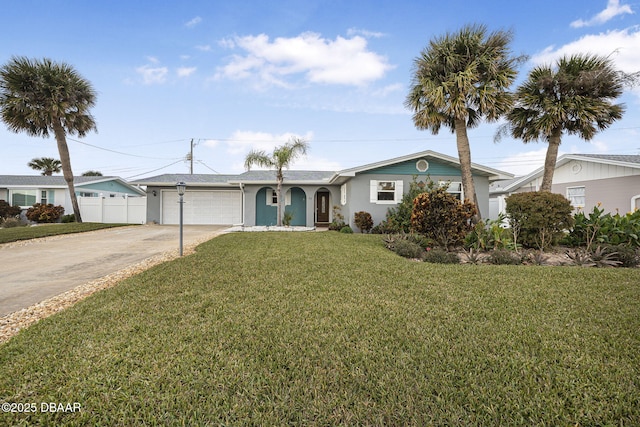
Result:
<point x="166" y="166"/>
<point x="120" y="152"/>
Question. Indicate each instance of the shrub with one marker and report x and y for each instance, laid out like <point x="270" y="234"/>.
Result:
<point x="384" y="228"/>
<point x="363" y="221"/>
<point x="346" y="229"/>
<point x="504" y="257"/>
<point x="599" y="227"/>
<point x="440" y="216"/>
<point x="538" y="218"/>
<point x="625" y="254"/>
<point x="439" y="256"/>
<point x="287" y="218"/>
<point x="489" y="234"/>
<point x="8" y="211"/>
<point x="68" y="218"/>
<point x="408" y="249"/>
<point x="338" y="219"/>
<point x="44" y="213"/>
<point x="398" y="219"/>
<point x="11" y="223"/>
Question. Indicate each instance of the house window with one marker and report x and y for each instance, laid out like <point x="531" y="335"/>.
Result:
<point x="85" y="194"/>
<point x="576" y="196"/>
<point x="272" y="197"/>
<point x="23" y="198"/>
<point x="385" y="192"/>
<point x="454" y="188"/>
<point x="422" y="165"/>
<point x="43" y="197"/>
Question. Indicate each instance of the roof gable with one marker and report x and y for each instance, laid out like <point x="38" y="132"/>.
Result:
<point x="56" y="181"/>
<point x="446" y="164"/>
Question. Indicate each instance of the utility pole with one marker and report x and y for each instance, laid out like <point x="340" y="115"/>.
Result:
<point x="191" y="157"/>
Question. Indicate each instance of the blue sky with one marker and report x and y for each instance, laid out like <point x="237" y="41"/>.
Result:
<point x="234" y="75"/>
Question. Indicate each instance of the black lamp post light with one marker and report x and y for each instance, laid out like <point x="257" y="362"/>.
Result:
<point x="181" y="186"/>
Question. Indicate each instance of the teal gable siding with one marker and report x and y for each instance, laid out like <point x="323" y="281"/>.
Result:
<point x="409" y="168"/>
<point x="107" y="186"/>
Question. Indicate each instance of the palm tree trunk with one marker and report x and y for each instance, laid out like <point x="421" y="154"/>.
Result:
<point x="464" y="155"/>
<point x="280" y="178"/>
<point x="65" y="159"/>
<point x="550" y="160"/>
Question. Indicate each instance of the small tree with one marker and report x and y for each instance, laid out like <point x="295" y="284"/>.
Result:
<point x="442" y="217"/>
<point x="44" y="213"/>
<point x="47" y="165"/>
<point x="541" y="217"/>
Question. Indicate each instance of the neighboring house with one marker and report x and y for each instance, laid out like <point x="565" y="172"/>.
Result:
<point x="250" y="198"/>
<point x="27" y="190"/>
<point x="612" y="181"/>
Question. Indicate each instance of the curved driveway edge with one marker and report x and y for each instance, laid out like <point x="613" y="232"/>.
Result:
<point x="34" y="270"/>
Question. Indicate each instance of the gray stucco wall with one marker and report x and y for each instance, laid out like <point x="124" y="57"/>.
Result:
<point x="358" y="198"/>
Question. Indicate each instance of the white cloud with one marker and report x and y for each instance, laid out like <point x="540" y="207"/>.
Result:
<point x="185" y="71"/>
<point x="612" y="10"/>
<point x="241" y="142"/>
<point x="192" y="23"/>
<point x="152" y="75"/>
<point x="523" y="163"/>
<point x="345" y="61"/>
<point x="365" y="33"/>
<point x="203" y="48"/>
<point x="622" y="45"/>
<point x="383" y="92"/>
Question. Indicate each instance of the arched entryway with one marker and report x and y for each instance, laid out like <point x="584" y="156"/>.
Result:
<point x="266" y="206"/>
<point x="296" y="205"/>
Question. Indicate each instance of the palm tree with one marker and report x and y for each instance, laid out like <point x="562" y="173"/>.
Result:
<point x="47" y="165"/>
<point x="576" y="97"/>
<point x="458" y="80"/>
<point x="43" y="96"/>
<point x="281" y="157"/>
<point x="92" y="173"/>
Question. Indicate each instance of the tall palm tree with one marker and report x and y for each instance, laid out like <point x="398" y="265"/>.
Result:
<point x="460" y="79"/>
<point x="576" y="97"/>
<point x="43" y="96"/>
<point x="282" y="157"/>
<point x="47" y="165"/>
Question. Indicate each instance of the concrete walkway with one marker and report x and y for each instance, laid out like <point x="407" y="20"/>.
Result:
<point x="34" y="270"/>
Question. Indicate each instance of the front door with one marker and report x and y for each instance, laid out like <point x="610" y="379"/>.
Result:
<point x="322" y="206"/>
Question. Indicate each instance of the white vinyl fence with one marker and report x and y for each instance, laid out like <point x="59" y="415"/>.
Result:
<point x="111" y="210"/>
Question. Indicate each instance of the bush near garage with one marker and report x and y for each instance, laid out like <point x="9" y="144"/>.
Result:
<point x="42" y="213"/>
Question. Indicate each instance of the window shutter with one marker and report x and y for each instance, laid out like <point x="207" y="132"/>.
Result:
<point x="373" y="191"/>
<point x="343" y="194"/>
<point x="287" y="197"/>
<point x="398" y="192"/>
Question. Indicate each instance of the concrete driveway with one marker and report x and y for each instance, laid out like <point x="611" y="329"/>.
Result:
<point x="34" y="270"/>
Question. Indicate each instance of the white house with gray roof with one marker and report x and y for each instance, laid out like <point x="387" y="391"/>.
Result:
<point x="250" y="198"/>
<point x="612" y="181"/>
<point x="26" y="190"/>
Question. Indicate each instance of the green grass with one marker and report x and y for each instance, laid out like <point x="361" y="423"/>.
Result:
<point x="333" y="329"/>
<point x="25" y="233"/>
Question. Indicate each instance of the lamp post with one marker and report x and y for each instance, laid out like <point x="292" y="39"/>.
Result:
<point x="181" y="186"/>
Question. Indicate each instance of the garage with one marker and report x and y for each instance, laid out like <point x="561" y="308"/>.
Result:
<point x="203" y="207"/>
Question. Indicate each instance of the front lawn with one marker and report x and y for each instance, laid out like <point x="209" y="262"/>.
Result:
<point x="45" y="230"/>
<point x="333" y="329"/>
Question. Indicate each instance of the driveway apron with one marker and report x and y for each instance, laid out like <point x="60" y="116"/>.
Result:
<point x="34" y="270"/>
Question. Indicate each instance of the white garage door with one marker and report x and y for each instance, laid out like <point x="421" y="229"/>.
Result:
<point x="203" y="207"/>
